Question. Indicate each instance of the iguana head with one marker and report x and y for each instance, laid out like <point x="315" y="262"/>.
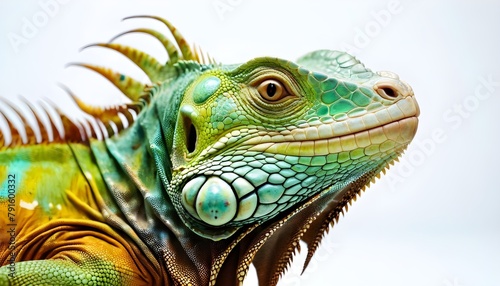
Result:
<point x="255" y="140"/>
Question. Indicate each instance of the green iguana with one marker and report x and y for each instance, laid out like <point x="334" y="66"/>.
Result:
<point x="209" y="169"/>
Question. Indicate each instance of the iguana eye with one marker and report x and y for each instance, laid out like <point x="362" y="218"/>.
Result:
<point x="272" y="90"/>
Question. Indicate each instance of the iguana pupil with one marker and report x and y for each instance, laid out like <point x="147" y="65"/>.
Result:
<point x="271" y="89"/>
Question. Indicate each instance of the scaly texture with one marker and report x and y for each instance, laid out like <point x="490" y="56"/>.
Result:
<point x="208" y="169"/>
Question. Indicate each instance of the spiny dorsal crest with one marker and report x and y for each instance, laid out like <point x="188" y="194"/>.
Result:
<point x="51" y="123"/>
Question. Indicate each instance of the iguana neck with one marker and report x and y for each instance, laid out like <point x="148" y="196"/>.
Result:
<point x="136" y="169"/>
<point x="136" y="165"/>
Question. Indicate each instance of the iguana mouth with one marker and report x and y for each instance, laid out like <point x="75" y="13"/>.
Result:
<point x="342" y="142"/>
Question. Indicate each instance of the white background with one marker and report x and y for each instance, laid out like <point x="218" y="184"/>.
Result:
<point x="434" y="219"/>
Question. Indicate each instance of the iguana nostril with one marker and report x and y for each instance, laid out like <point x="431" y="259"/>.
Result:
<point x="387" y="92"/>
<point x="390" y="92"/>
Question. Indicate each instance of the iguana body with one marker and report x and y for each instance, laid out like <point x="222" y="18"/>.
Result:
<point x="224" y="165"/>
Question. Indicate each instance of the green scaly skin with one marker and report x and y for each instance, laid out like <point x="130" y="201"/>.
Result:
<point x="223" y="165"/>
